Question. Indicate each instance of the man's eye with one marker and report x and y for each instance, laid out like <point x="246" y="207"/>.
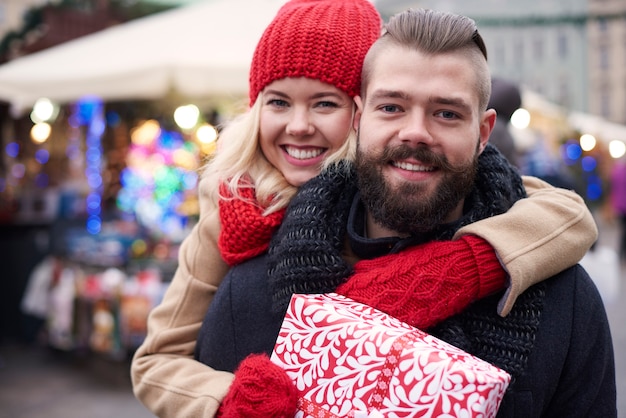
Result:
<point x="446" y="114"/>
<point x="389" y="108"/>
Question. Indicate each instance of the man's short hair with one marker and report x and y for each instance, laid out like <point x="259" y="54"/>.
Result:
<point x="434" y="32"/>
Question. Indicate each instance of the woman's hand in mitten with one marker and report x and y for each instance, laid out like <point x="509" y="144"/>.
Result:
<point x="428" y="283"/>
<point x="261" y="389"/>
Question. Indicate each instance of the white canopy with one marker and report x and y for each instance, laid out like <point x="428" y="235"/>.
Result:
<point x="198" y="50"/>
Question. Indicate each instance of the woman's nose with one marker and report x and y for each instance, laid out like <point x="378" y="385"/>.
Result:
<point x="300" y="123"/>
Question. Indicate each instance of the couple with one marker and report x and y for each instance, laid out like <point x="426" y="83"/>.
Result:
<point x="423" y="171"/>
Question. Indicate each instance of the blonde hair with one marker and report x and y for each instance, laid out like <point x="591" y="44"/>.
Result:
<point x="240" y="162"/>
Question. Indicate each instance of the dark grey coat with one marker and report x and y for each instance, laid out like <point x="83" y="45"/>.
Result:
<point x="569" y="373"/>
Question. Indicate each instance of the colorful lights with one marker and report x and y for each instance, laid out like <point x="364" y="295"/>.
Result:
<point x="145" y="133"/>
<point x="90" y="112"/>
<point x="579" y="157"/>
<point x="159" y="175"/>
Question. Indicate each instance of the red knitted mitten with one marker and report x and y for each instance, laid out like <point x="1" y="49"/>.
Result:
<point x="426" y="284"/>
<point x="261" y="389"/>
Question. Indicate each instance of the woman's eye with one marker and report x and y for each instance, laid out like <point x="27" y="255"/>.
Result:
<point x="277" y="103"/>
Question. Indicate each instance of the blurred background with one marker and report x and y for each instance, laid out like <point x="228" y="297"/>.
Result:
<point x="108" y="108"/>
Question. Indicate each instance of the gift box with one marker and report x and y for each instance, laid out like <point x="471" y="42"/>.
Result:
<point x="351" y="360"/>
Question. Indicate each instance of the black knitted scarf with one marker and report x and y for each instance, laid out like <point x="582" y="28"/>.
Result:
<point x="305" y="257"/>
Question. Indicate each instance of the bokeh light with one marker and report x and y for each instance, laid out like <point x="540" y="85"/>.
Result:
<point x="617" y="149"/>
<point x="42" y="156"/>
<point x="589" y="163"/>
<point x="573" y="151"/>
<point x="520" y="118"/>
<point x="44" y="110"/>
<point x="40" y="132"/>
<point x="186" y="117"/>
<point x="12" y="149"/>
<point x="206" y="134"/>
<point x="18" y="171"/>
<point x="146" y="133"/>
<point x="587" y="142"/>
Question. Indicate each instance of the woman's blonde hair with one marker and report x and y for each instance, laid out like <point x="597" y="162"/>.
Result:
<point x="239" y="162"/>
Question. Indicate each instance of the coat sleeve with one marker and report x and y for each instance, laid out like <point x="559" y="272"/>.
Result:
<point x="165" y="376"/>
<point x="538" y="237"/>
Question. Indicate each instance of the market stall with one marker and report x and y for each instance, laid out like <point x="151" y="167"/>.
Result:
<point x="108" y="174"/>
<point x="198" y="51"/>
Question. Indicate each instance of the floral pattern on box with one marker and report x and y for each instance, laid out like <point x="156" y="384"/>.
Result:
<point x="351" y="360"/>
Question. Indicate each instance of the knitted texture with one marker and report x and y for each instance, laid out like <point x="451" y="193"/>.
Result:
<point x="261" y="389"/>
<point x="305" y="253"/>
<point x="427" y="283"/>
<point x="245" y="231"/>
<point x="324" y="40"/>
<point x="504" y="342"/>
<point x="305" y="257"/>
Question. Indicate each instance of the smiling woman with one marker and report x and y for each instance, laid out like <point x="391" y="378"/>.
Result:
<point x="300" y="117"/>
<point x="303" y="121"/>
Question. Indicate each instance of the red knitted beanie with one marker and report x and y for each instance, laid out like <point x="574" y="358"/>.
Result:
<point x="324" y="40"/>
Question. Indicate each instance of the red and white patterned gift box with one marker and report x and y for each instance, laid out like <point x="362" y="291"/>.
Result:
<point x="351" y="360"/>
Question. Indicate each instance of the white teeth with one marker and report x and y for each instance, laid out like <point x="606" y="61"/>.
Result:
<point x="411" y="167"/>
<point x="301" y="154"/>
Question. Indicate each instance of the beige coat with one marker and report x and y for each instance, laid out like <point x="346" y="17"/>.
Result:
<point x="535" y="239"/>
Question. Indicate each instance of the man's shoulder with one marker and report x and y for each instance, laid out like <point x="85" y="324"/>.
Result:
<point x="575" y="280"/>
<point x="573" y="299"/>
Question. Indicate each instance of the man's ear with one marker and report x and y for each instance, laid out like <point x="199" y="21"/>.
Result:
<point x="487" y="123"/>
<point x="359" y="111"/>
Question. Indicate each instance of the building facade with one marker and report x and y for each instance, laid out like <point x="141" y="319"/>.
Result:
<point x="607" y="59"/>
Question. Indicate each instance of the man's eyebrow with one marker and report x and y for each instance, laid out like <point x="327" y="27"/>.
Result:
<point x="389" y="94"/>
<point x="451" y="101"/>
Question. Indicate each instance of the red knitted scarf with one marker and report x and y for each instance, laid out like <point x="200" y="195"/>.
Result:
<point x="245" y="231"/>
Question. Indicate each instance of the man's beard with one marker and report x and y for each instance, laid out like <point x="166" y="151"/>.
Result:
<point x="409" y="209"/>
